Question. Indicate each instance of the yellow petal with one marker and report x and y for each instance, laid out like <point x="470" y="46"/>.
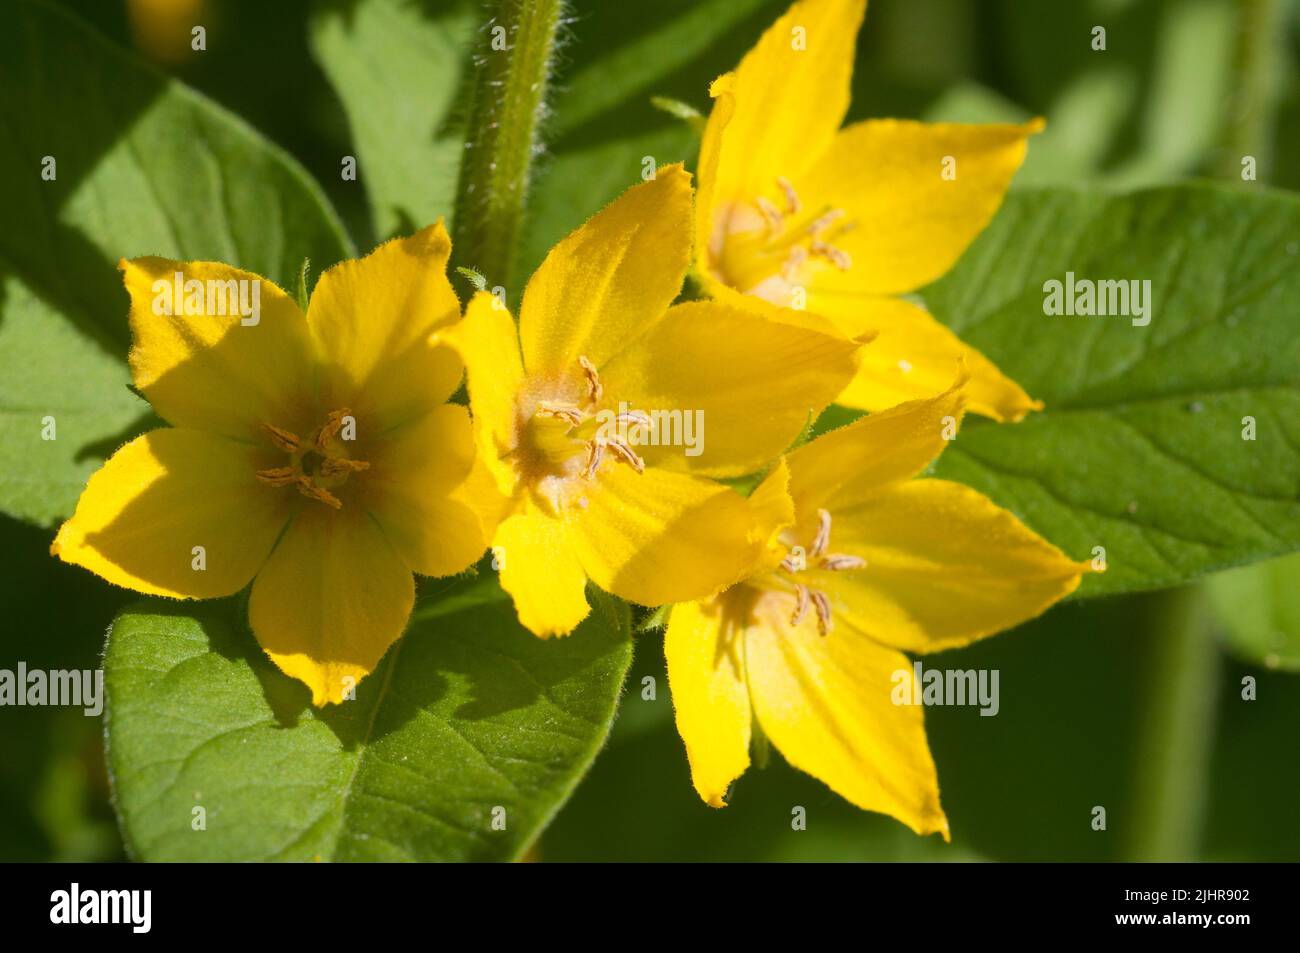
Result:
<point x="850" y="463"/>
<point x="826" y="703"/>
<point x="481" y="494"/>
<point x="724" y="107"/>
<point x="790" y="92"/>
<point x="739" y="381"/>
<point x="660" y="537"/>
<point x="488" y="343"/>
<point x="945" y="566"/>
<point x="410" y="490"/>
<point x="541" y="571"/>
<point x="331" y="599"/>
<point x="372" y="319"/>
<point x="201" y="366"/>
<point x="772" y="504"/>
<point x="909" y="222"/>
<point x="706" y="673"/>
<point x="914" y="355"/>
<point x="610" y="280"/>
<point x="163" y="494"/>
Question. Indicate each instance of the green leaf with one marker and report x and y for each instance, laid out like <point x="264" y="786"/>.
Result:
<point x="142" y="165"/>
<point x="1141" y="448"/>
<point x="467" y="714"/>
<point x="1259" y="608"/>
<point x="397" y="67"/>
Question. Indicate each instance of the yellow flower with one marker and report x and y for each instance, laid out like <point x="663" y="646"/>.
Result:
<point x="871" y="563"/>
<point x="314" y="453"/>
<point x="793" y="207"/>
<point x="563" y="407"/>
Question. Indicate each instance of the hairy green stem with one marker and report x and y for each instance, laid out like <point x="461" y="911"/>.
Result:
<point x="514" y="64"/>
<point x="1177" y="735"/>
<point x="1257" y="64"/>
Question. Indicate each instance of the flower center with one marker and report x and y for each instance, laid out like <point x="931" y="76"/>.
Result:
<point x="316" y="466"/>
<point x="561" y="447"/>
<point x="766" y="251"/>
<point x="817" y="556"/>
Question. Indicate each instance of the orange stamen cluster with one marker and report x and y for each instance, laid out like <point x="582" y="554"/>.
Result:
<point x="316" y="466"/>
<point x="806" y="596"/>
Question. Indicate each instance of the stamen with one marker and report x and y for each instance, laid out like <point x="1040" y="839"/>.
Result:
<point x="595" y="454"/>
<point x="837" y="257"/>
<point x="801" y="604"/>
<point x="792" y="204"/>
<point x="278" y="476"/>
<point x="594" y="389"/>
<point x="333" y="424"/>
<point x="840" y="563"/>
<point x="341" y="466"/>
<point x="566" y="412"/>
<point x="311" y="460"/>
<point x="627" y="454"/>
<point x="283" y="439"/>
<point x="770" y="214"/>
<point x="310" y="490"/>
<point x="793" y="262"/>
<point x="825" y="221"/>
<point x="789" y="564"/>
<point x="823" y="537"/>
<point x="823" y="607"/>
<point x="634" y="417"/>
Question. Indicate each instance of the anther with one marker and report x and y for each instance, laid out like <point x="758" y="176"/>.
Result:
<point x="823" y="607"/>
<point x="839" y="563"/>
<point x="310" y="490"/>
<point x="283" y="439"/>
<point x="823" y="537"/>
<point x="825" y="221"/>
<point x="634" y="418"/>
<point x="341" y="466"/>
<point x="792" y="204"/>
<point x="595" y="454"/>
<point x="793" y="262"/>
<point x="627" y="454"/>
<point x="278" y="476"/>
<point x="566" y="412"/>
<point x="837" y="257"/>
<point x="770" y="214"/>
<point x="801" y="604"/>
<point x="333" y="424"/>
<point x="639" y="417"/>
<point x="594" y="389"/>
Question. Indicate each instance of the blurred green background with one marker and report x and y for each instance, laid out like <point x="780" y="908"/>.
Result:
<point x="1133" y="704"/>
